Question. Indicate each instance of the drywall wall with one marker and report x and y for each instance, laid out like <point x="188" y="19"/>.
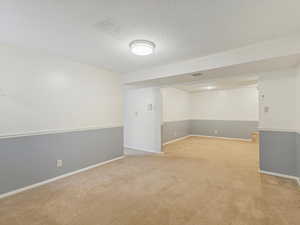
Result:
<point x="32" y="159"/>
<point x="298" y="153"/>
<point x="224" y="128"/>
<point x="142" y="119"/>
<point x="175" y="129"/>
<point x="298" y="98"/>
<point x="233" y="104"/>
<point x="278" y="139"/>
<point x="41" y="92"/>
<point x="278" y="152"/>
<point x="298" y="119"/>
<point x="229" y="113"/>
<point x="277" y="92"/>
<point x="176" y="104"/>
<point x="54" y="109"/>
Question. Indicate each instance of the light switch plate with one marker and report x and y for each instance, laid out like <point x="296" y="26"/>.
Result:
<point x="59" y="163"/>
<point x="150" y="107"/>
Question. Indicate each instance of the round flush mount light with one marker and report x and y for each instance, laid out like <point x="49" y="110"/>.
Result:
<point x="142" y="47"/>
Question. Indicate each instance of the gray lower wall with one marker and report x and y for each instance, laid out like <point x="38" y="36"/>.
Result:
<point x="175" y="129"/>
<point x="278" y="152"/>
<point x="224" y="128"/>
<point x="298" y="154"/>
<point x="28" y="160"/>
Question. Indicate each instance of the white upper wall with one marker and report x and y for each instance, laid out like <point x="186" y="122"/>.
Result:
<point x="176" y="104"/>
<point x="41" y="92"/>
<point x="277" y="91"/>
<point x="230" y="104"/>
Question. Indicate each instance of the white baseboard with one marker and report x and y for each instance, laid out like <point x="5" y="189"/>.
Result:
<point x="142" y="149"/>
<point x="281" y="175"/>
<point x="142" y="152"/>
<point x="57" y="178"/>
<point x="215" y="137"/>
<point x="224" y="138"/>
<point x="175" y="140"/>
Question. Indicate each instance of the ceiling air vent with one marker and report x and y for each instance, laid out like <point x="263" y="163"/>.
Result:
<point x="197" y="74"/>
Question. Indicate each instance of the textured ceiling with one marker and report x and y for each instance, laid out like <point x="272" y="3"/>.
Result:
<point x="98" y="32"/>
<point x="219" y="84"/>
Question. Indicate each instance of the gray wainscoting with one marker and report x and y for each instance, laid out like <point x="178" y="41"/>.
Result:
<point x="224" y="128"/>
<point x="298" y="154"/>
<point x="278" y="152"/>
<point x="175" y="129"/>
<point x="28" y="160"/>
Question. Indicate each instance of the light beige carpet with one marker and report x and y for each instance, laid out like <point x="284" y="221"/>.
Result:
<point x="198" y="181"/>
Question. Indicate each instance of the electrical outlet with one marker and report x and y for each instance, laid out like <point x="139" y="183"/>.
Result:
<point x="216" y="131"/>
<point x="59" y="163"/>
<point x="175" y="134"/>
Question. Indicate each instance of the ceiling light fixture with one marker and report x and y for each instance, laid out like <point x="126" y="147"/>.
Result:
<point x="142" y="47"/>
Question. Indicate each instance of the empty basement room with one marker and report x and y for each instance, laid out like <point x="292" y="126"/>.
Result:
<point x="149" y="112"/>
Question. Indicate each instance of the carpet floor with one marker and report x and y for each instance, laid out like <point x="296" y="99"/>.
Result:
<point x="198" y="181"/>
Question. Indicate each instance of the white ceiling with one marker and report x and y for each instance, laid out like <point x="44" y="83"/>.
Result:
<point x="215" y="77"/>
<point x="98" y="32"/>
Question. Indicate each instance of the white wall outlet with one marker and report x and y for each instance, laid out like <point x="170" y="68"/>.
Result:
<point x="175" y="133"/>
<point x="59" y="163"/>
<point x="216" y="131"/>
